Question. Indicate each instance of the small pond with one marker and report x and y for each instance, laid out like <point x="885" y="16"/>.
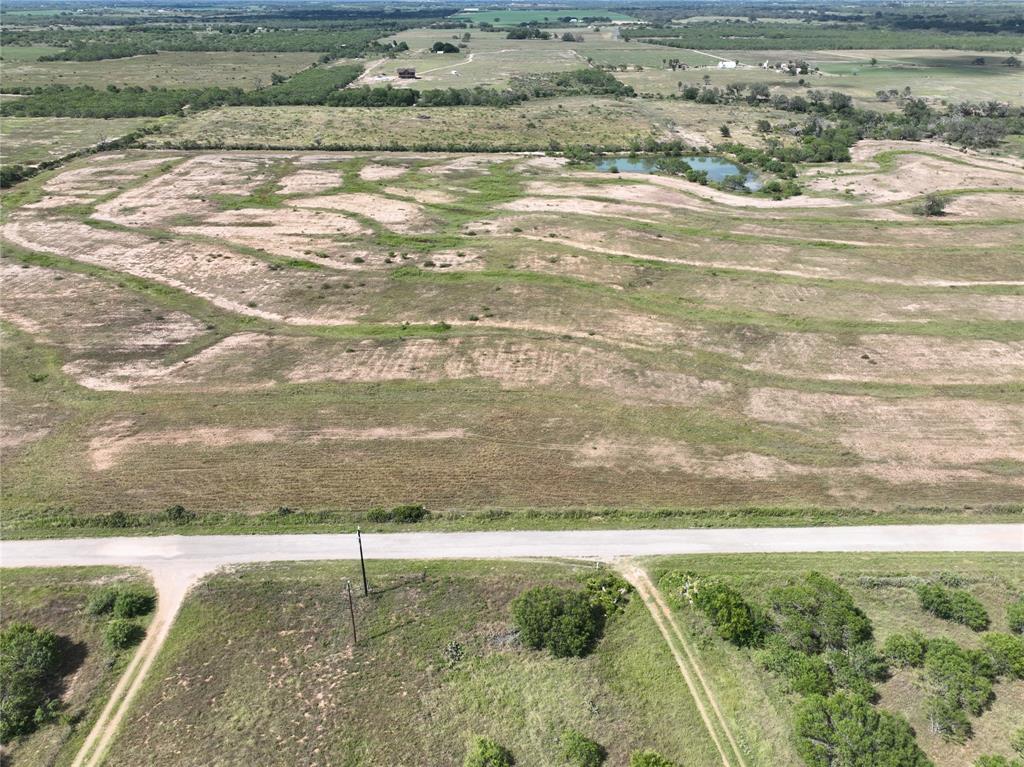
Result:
<point x="716" y="167"/>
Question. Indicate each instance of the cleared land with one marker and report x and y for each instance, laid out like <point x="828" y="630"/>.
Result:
<point x="166" y="69"/>
<point x="260" y="664"/>
<point x="334" y="331"/>
<point x="55" y="599"/>
<point x="882" y="586"/>
<point x="31" y="140"/>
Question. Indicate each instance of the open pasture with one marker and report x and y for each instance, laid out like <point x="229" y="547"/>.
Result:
<point x="31" y="140"/>
<point x="166" y="69"/>
<point x="339" y="331"/>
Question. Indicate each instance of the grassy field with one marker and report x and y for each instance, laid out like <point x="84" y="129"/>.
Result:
<point x="335" y="331"/>
<point x="761" y="711"/>
<point x="532" y="126"/>
<point x="167" y="69"/>
<point x="30" y="140"/>
<point x="55" y="599"/>
<point x="23" y="53"/>
<point x="261" y="665"/>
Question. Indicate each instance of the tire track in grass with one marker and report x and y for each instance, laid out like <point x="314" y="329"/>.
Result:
<point x="714" y="721"/>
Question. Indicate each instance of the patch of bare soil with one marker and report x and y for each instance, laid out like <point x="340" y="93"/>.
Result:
<point x="987" y="206"/>
<point x="187" y="190"/>
<point x="890" y="359"/>
<point x="396" y="215"/>
<point x="580" y="206"/>
<point x="464" y="164"/>
<point x="377" y="172"/>
<point x="425" y="196"/>
<point x="118" y="439"/>
<point x="904" y="440"/>
<point x="667" y="455"/>
<point x="922" y="170"/>
<point x="100" y="178"/>
<point x="310" y="181"/>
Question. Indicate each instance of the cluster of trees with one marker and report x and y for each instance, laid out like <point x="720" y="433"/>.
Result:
<point x="528" y="32"/>
<point x="94" y="45"/>
<point x="768" y="35"/>
<point x="121" y="607"/>
<point x="821" y="645"/>
<point x="443" y="47"/>
<point x="575" y="750"/>
<point x="578" y="82"/>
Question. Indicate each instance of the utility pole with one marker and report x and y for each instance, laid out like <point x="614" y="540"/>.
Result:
<point x="351" y="610"/>
<point x="362" y="562"/>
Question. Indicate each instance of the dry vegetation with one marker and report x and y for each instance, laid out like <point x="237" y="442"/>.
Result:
<point x="331" y="330"/>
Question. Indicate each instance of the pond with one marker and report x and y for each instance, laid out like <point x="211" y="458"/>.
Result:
<point x="717" y="168"/>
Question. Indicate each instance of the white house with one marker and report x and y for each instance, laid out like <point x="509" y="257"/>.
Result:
<point x="726" y="64"/>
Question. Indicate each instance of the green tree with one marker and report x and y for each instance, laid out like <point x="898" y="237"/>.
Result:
<point x="844" y="730"/>
<point x="816" y="614"/>
<point x="1015" y="616"/>
<point x="580" y="751"/>
<point x="28" y="666"/>
<point x="562" y="621"/>
<point x="649" y="758"/>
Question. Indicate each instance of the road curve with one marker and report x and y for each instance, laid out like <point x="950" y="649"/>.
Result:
<point x="202" y="553"/>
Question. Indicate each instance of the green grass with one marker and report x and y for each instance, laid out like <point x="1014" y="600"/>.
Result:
<point x="755" y="702"/>
<point x="260" y="665"/>
<point x="31" y="140"/>
<point x="510" y="17"/>
<point x="55" y="598"/>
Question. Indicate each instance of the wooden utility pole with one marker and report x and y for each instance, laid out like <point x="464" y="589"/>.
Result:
<point x="351" y="610"/>
<point x="362" y="563"/>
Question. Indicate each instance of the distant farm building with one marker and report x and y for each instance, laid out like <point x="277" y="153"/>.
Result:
<point x="407" y="73"/>
<point x="726" y="64"/>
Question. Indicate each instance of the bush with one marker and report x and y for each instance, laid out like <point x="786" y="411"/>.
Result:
<point x="179" y="515"/>
<point x="648" y="758"/>
<point x="845" y="729"/>
<point x="947" y="719"/>
<point x="803" y="674"/>
<point x="560" y="620"/>
<point x="484" y="752"/>
<point x="903" y="650"/>
<point x="608" y="591"/>
<point x="933" y="204"/>
<point x="817" y="614"/>
<point x="1015" y="616"/>
<point x="733" y="618"/>
<point x="28" y="665"/>
<point x="960" y="678"/>
<point x="120" y="634"/>
<point x="406" y="515"/>
<point x="996" y="761"/>
<point x="101" y="602"/>
<point x="953" y="605"/>
<point x="580" y="751"/>
<point x="1006" y="652"/>
<point x="131" y="603"/>
<point x="1017" y="742"/>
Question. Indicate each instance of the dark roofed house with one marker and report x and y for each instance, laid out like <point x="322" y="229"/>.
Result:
<point x="407" y="73"/>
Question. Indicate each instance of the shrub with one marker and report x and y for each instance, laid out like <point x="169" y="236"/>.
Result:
<point x="28" y="664"/>
<point x="560" y="620"/>
<point x="406" y="515"/>
<point x="1006" y="652"/>
<point x="1017" y="742"/>
<point x="953" y="605"/>
<point x="101" y="602"/>
<point x="933" y="204"/>
<point x="1015" y="616"/>
<point x="179" y="515"/>
<point x="131" y="603"/>
<point x="817" y="614"/>
<point x="733" y="618"/>
<point x="120" y="634"/>
<point x="580" y="751"/>
<point x="608" y="591"/>
<point x="903" y="650"/>
<point x="947" y="719"/>
<point x="845" y="729"/>
<point x="802" y="673"/>
<point x="996" y="761"/>
<point x="484" y="752"/>
<point x="648" y="758"/>
<point x="961" y="678"/>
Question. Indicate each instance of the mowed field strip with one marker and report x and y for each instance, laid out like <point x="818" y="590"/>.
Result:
<point x="340" y="331"/>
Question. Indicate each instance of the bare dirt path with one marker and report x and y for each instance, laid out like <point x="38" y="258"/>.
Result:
<point x="177" y="562"/>
<point x="711" y="714"/>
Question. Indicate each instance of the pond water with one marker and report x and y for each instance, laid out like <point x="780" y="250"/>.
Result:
<point x="717" y="168"/>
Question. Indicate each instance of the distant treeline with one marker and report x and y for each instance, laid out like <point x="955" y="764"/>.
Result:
<point x="114" y="44"/>
<point x="323" y="86"/>
<point x="787" y="36"/>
